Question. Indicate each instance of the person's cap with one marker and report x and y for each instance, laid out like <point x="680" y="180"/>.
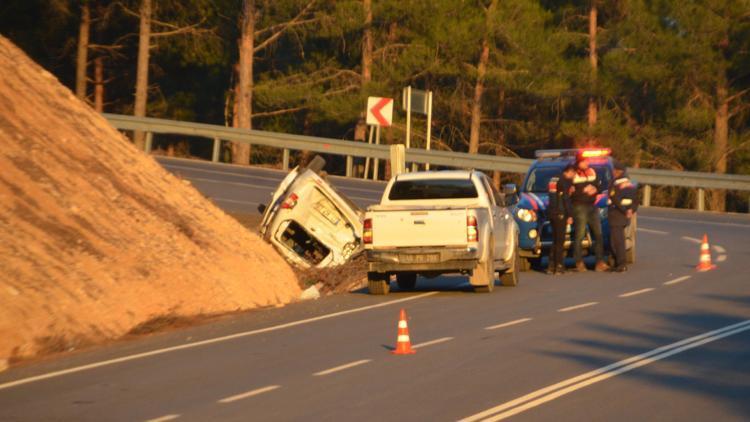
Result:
<point x="569" y="167"/>
<point x="580" y="157"/>
<point x="618" y="165"/>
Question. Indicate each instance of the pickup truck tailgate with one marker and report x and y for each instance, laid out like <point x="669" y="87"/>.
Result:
<point x="410" y="228"/>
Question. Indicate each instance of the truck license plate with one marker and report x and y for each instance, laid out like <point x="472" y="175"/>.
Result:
<point x="419" y="258"/>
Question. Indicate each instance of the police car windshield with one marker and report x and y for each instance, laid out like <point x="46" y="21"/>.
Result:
<point x="538" y="180"/>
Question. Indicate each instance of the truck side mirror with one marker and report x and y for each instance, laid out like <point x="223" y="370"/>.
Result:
<point x="511" y="194"/>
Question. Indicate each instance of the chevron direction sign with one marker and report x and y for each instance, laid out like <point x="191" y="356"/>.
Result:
<point x="379" y="111"/>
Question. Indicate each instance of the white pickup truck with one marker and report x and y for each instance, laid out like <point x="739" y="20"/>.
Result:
<point x="437" y="222"/>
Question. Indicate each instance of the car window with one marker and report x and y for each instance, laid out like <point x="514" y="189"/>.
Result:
<point x="433" y="189"/>
<point x="538" y="179"/>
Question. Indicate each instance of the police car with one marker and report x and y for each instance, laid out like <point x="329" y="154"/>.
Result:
<point x="530" y="211"/>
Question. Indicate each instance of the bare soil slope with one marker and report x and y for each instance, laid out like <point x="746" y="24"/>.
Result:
<point x="96" y="238"/>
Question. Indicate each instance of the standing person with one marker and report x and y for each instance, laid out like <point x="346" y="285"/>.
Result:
<point x="560" y="215"/>
<point x="585" y="184"/>
<point x="623" y="203"/>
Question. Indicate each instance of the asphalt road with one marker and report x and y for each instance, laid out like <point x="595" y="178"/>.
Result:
<point x="661" y="341"/>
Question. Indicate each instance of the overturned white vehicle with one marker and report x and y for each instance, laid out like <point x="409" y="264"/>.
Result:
<point x="309" y="222"/>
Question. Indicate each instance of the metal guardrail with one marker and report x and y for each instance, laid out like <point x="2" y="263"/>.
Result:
<point x="646" y="177"/>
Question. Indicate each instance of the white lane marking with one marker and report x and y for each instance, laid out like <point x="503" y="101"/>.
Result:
<point x="721" y="258"/>
<point x="684" y="220"/>
<point x="432" y="342"/>
<point x="637" y="292"/>
<point x="164" y="418"/>
<point x="677" y="280"/>
<point x="508" y="324"/>
<point x="645" y="230"/>
<point x="246" y="176"/>
<point x="206" y="342"/>
<point x="248" y="394"/>
<point x="691" y="239"/>
<point x="573" y="308"/>
<point x="342" y="367"/>
<point x="570" y="385"/>
<point x="719" y="249"/>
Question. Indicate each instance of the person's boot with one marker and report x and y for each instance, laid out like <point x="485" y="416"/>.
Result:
<point x="550" y="269"/>
<point x="620" y="269"/>
<point x="601" y="266"/>
<point x="581" y="267"/>
<point x="560" y="269"/>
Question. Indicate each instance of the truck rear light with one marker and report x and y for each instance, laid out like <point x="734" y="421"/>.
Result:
<point x="472" y="233"/>
<point x="367" y="231"/>
<point x="290" y="201"/>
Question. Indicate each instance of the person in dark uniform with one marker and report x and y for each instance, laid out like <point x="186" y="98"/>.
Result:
<point x="586" y="186"/>
<point x="623" y="203"/>
<point x="560" y="215"/>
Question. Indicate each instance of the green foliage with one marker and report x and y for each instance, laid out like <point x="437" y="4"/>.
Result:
<point x="660" y="65"/>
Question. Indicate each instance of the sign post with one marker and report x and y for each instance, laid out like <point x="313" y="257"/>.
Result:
<point x="429" y="125"/>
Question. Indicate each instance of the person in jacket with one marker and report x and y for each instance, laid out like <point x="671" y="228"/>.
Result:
<point x="623" y="203"/>
<point x="586" y="187"/>
<point x="560" y="215"/>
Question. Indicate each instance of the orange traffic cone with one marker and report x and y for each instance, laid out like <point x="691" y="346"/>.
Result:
<point x="403" y="343"/>
<point x="705" y="261"/>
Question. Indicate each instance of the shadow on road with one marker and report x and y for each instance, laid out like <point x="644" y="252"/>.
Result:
<point x="719" y="371"/>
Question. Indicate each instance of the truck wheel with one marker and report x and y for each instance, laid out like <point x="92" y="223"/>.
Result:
<point x="378" y="284"/>
<point x="510" y="276"/>
<point x="483" y="277"/>
<point x="406" y="281"/>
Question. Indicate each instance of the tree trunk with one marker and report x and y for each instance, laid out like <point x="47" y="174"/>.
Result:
<point x="497" y="175"/>
<point x="99" y="84"/>
<point x="241" y="152"/>
<point x="476" y="104"/>
<point x="360" y="131"/>
<point x="594" y="62"/>
<point x="721" y="138"/>
<point x="83" y="50"/>
<point x="141" y="79"/>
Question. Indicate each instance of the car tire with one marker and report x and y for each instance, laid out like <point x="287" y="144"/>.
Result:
<point x="316" y="164"/>
<point x="378" y="284"/>
<point x="509" y="277"/>
<point x="524" y="264"/>
<point x="406" y="281"/>
<point x="483" y="277"/>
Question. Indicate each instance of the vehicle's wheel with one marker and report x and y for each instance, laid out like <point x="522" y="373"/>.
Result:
<point x="510" y="276"/>
<point x="483" y="277"/>
<point x="524" y="264"/>
<point x="316" y="164"/>
<point x="378" y="284"/>
<point x="406" y="281"/>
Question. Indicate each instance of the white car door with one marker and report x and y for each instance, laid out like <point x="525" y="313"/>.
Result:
<point x="499" y="215"/>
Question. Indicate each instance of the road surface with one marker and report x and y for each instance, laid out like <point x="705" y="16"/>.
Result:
<point x="661" y="341"/>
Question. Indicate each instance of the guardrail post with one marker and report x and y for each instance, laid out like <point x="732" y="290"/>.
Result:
<point x="647" y="196"/>
<point x="216" y="151"/>
<point x="398" y="159"/>
<point x="701" y="205"/>
<point x="149" y="142"/>
<point x="285" y="160"/>
<point x="349" y="165"/>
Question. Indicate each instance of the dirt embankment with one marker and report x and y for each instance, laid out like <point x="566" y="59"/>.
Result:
<point x="96" y="238"/>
